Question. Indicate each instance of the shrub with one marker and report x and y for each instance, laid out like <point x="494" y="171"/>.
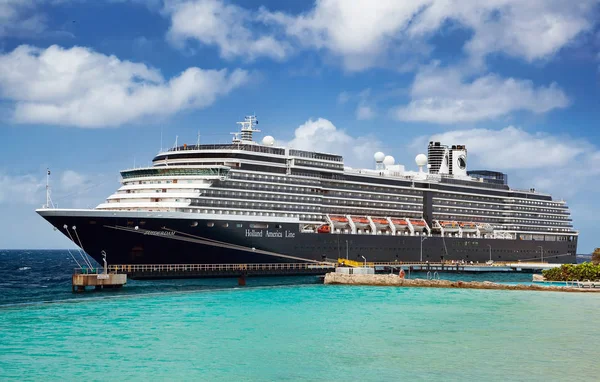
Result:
<point x="568" y="272"/>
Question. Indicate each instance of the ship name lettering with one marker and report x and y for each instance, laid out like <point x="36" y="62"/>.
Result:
<point x="253" y="233"/>
<point x="159" y="233"/>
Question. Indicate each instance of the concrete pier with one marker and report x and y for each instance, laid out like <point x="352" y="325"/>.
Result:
<point x="394" y="280"/>
<point x="97" y="280"/>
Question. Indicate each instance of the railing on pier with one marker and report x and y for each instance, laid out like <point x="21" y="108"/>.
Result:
<point x="217" y="267"/>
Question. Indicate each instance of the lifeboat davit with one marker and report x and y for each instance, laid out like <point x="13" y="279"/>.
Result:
<point x="339" y="221"/>
<point x="399" y="223"/>
<point x="449" y="226"/>
<point x="360" y="221"/>
<point x="380" y="222"/>
<point x="418" y="225"/>
<point x="325" y="228"/>
<point x="468" y="226"/>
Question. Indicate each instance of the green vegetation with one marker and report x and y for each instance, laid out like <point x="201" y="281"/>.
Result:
<point x="569" y="272"/>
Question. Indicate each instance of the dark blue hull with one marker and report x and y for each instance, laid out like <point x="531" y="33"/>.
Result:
<point x="154" y="240"/>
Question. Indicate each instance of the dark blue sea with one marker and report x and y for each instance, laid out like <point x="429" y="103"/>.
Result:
<point x="290" y="329"/>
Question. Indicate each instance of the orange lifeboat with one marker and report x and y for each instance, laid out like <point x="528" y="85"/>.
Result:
<point x="380" y="222"/>
<point x="339" y="221"/>
<point x="360" y="221"/>
<point x="418" y="225"/>
<point x="400" y="224"/>
<point x="449" y="226"/>
<point x="325" y="228"/>
<point x="468" y="226"/>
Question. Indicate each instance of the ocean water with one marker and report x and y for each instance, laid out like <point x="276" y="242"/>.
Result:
<point x="294" y="330"/>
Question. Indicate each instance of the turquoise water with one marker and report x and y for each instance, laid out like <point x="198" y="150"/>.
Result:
<point x="306" y="332"/>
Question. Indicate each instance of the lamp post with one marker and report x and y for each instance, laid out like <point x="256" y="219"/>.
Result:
<point x="490" y="251"/>
<point x="364" y="258"/>
<point x="542" y="252"/>
<point x="423" y="238"/>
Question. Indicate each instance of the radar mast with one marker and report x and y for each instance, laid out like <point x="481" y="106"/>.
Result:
<point x="246" y="131"/>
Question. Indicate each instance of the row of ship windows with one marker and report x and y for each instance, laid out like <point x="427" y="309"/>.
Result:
<point x="254" y="213"/>
<point x="467" y="204"/>
<point x="168" y="181"/>
<point x="469" y="197"/>
<point x="533" y="209"/>
<point x="374" y="204"/>
<point x="273" y="178"/>
<point x="269" y="187"/>
<point x="560" y="219"/>
<point x="478" y="212"/>
<point x="212" y="202"/>
<point x="233" y="194"/>
<point x="500" y="201"/>
<point x="283" y="197"/>
<point x="534" y="202"/>
<point x="374" y="189"/>
<point x="563" y="215"/>
<point x="540" y="216"/>
<point x="412" y="199"/>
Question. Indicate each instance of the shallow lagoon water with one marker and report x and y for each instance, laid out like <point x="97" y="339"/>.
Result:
<point x="304" y="332"/>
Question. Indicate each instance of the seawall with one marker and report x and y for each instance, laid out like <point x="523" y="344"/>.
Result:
<point x="394" y="280"/>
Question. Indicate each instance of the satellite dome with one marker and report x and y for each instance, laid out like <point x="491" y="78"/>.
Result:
<point x="421" y="160"/>
<point x="268" y="140"/>
<point x="379" y="156"/>
<point x="389" y="160"/>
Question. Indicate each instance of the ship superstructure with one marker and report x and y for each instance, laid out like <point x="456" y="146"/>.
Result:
<point x="251" y="202"/>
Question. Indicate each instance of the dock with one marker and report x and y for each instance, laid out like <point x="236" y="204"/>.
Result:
<point x="385" y="267"/>
<point x="173" y="271"/>
<point x="82" y="279"/>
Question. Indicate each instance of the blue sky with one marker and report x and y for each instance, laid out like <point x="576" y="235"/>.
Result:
<point x="86" y="87"/>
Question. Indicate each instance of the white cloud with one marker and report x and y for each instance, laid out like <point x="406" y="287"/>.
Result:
<point x="363" y="33"/>
<point x="323" y="136"/>
<point x="227" y="26"/>
<point x="30" y="188"/>
<point x="446" y="96"/>
<point x="364" y="112"/>
<point x="70" y="180"/>
<point x="18" y="18"/>
<point x="514" y="148"/>
<point x="16" y="189"/>
<point x="533" y="29"/>
<point x="80" y="87"/>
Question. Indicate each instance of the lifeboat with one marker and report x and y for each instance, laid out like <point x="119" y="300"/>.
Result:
<point x="485" y="227"/>
<point x="418" y="225"/>
<point x="360" y="221"/>
<point x="400" y="223"/>
<point x="380" y="222"/>
<point x="468" y="226"/>
<point x="325" y="228"/>
<point x="449" y="226"/>
<point x="339" y="221"/>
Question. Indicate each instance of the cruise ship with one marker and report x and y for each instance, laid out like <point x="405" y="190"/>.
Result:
<point x="256" y="202"/>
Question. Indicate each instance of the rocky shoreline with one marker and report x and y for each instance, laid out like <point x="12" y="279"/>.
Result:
<point x="394" y="280"/>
